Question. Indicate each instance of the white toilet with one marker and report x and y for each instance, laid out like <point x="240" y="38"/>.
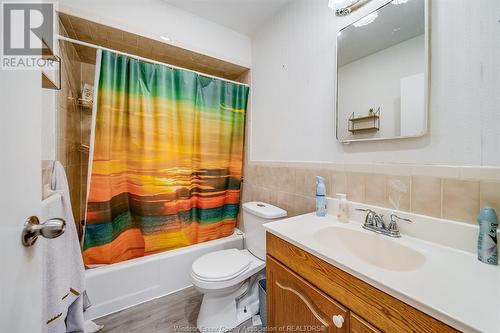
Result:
<point x="229" y="278"/>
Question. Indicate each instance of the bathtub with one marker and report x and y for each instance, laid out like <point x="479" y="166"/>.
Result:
<point x="119" y="286"/>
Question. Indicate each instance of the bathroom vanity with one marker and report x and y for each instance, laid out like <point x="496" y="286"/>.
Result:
<point x="323" y="275"/>
<point x="304" y="290"/>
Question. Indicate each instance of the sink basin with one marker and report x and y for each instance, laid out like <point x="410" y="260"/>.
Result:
<point x="374" y="249"/>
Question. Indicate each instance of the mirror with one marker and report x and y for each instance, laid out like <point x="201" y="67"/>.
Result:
<point x="382" y="74"/>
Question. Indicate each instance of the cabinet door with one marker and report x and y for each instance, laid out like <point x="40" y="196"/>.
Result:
<point x="294" y="305"/>
<point x="358" y="325"/>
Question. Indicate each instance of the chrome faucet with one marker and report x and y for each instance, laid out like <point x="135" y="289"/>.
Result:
<point x="375" y="222"/>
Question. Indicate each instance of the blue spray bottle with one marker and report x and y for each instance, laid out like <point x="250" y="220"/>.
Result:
<point x="320" y="196"/>
<point x="487" y="248"/>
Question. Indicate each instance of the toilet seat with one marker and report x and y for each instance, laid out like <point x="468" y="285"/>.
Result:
<point x="220" y="265"/>
<point x="254" y="266"/>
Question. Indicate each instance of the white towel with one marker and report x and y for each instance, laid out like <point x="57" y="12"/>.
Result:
<point x="64" y="272"/>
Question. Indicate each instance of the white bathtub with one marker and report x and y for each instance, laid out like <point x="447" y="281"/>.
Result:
<point x="119" y="286"/>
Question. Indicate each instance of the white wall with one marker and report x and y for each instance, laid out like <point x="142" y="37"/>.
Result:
<point x="293" y="67"/>
<point x="155" y="18"/>
<point x="293" y="87"/>
<point x="374" y="81"/>
<point x="412" y="116"/>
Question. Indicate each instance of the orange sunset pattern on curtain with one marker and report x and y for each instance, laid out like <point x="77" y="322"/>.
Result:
<point x="167" y="160"/>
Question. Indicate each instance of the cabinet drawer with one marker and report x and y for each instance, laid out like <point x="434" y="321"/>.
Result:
<point x="294" y="305"/>
<point x="358" y="325"/>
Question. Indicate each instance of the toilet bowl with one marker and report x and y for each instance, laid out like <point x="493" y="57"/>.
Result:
<point x="229" y="278"/>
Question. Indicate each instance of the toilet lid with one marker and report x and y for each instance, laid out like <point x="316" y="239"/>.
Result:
<point x="220" y="265"/>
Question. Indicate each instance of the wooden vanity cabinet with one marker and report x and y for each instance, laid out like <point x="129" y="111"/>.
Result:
<point x="300" y="307"/>
<point x="307" y="294"/>
<point x="358" y="325"/>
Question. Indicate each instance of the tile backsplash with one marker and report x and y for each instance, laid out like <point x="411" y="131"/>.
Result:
<point x="425" y="190"/>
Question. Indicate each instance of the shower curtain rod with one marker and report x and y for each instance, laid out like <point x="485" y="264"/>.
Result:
<point x="76" y="41"/>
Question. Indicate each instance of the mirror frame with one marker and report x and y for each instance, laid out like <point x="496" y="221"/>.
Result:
<point x="427" y="78"/>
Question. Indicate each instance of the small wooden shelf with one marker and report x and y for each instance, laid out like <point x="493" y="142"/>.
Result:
<point x="362" y="130"/>
<point x="374" y="117"/>
<point x="370" y="120"/>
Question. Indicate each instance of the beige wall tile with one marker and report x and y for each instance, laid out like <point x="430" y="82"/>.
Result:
<point x="303" y="205"/>
<point x="61" y="154"/>
<point x="74" y="156"/>
<point x="426" y="195"/>
<point x="375" y="189"/>
<point x="356" y="186"/>
<point x="249" y="174"/>
<point x="73" y="174"/>
<point x="265" y="195"/>
<point x="490" y="195"/>
<point x="248" y="192"/>
<point x="395" y="192"/>
<point x="88" y="73"/>
<point x="259" y="176"/>
<point x="338" y="183"/>
<point x="305" y="180"/>
<point x="62" y="122"/>
<point x="86" y="126"/>
<point x="281" y="179"/>
<point x="286" y="201"/>
<point x="460" y="200"/>
<point x="300" y="178"/>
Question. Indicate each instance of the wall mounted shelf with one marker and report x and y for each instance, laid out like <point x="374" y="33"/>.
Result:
<point x="362" y="130"/>
<point x="47" y="81"/>
<point x="371" y="123"/>
<point x="364" y="118"/>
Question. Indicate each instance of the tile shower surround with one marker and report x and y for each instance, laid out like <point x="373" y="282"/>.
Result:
<point x="73" y="124"/>
<point x="454" y="193"/>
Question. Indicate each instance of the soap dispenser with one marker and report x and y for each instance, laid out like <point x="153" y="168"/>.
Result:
<point x="320" y="196"/>
<point x="487" y="248"/>
<point x="343" y="208"/>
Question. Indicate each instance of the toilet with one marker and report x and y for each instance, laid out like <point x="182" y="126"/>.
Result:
<point x="229" y="278"/>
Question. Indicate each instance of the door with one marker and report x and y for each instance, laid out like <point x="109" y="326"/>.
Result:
<point x="20" y="197"/>
<point x="359" y="325"/>
<point x="294" y="305"/>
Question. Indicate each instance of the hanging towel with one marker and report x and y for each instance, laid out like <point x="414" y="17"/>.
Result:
<point x="63" y="270"/>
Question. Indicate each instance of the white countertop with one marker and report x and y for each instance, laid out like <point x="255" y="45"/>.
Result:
<point x="451" y="285"/>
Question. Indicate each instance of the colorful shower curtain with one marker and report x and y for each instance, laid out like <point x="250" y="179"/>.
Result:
<point x="166" y="157"/>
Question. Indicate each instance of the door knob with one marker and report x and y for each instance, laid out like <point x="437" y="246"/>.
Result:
<point x="338" y="321"/>
<point x="49" y="229"/>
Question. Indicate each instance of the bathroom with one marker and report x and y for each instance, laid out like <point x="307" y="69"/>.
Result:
<point x="250" y="165"/>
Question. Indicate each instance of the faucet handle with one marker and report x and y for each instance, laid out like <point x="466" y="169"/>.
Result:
<point x="367" y="210"/>
<point x="395" y="219"/>
<point x="393" y="225"/>
<point x="370" y="216"/>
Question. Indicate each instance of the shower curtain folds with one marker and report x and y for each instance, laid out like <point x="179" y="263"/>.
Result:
<point x="167" y="159"/>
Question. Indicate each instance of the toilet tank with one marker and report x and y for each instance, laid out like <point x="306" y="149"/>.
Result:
<point x="255" y="214"/>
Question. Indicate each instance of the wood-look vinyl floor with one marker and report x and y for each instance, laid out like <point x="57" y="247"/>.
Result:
<point x="175" y="313"/>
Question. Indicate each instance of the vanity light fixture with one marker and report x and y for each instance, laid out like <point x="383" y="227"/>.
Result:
<point x="165" y="39"/>
<point x="366" y="20"/>
<point x="345" y="7"/>
<point x="399" y="2"/>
